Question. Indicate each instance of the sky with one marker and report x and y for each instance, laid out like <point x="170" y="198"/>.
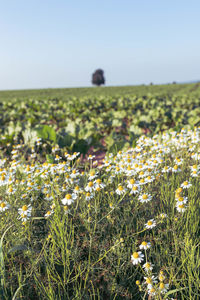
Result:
<point x="60" y="43"/>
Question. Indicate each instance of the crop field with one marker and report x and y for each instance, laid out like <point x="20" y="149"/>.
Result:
<point x="100" y="193"/>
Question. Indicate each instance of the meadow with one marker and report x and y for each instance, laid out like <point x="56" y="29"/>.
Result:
<point x="99" y="193"/>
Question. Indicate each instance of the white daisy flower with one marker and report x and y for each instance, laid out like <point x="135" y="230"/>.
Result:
<point x="69" y="199"/>
<point x="166" y="169"/>
<point x="152" y="291"/>
<point x="92" y="175"/>
<point x="178" y="161"/>
<point x="176" y="169"/>
<point x="99" y="184"/>
<point x="150" y="224"/>
<point x="25" y="212"/>
<point x="74" y="174"/>
<point x="48" y="213"/>
<point x="148" y="267"/>
<point x="145" y="198"/>
<point x="77" y="190"/>
<point x="194" y="174"/>
<point x="131" y="183"/>
<point x="11" y="190"/>
<point x="181" y="207"/>
<point x="58" y="158"/>
<point x="120" y="190"/>
<point x="4" y="206"/>
<point x="181" y="200"/>
<point x="186" y="185"/>
<point x="150" y="281"/>
<point x="135" y="189"/>
<point x="137" y="257"/>
<point x="89" y="196"/>
<point x="145" y="245"/>
<point x="48" y="197"/>
<point x="149" y="179"/>
<point x="163" y="287"/>
<point x="90" y="187"/>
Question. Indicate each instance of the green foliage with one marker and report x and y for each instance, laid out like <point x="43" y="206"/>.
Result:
<point x="46" y="132"/>
<point x="83" y="117"/>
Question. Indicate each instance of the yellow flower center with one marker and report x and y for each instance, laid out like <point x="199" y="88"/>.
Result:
<point x="144" y="243"/>
<point x="98" y="181"/>
<point x="90" y="184"/>
<point x="134" y="188"/>
<point x="148" y="280"/>
<point x="88" y="194"/>
<point x="142" y="180"/>
<point x="181" y="206"/>
<point x="68" y="196"/>
<point x="120" y="188"/>
<point x="180" y="199"/>
<point x="77" y="188"/>
<point x="149" y="223"/>
<point x="162" y="285"/>
<point x="3" y="205"/>
<point x="152" y="290"/>
<point x="135" y="255"/>
<point x="147" y="265"/>
<point x="132" y="181"/>
<point x="144" y="197"/>
<point x="24" y="207"/>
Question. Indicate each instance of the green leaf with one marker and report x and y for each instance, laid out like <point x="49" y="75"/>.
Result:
<point x="50" y="158"/>
<point x="135" y="129"/>
<point x="65" y="140"/>
<point x="116" y="123"/>
<point x="46" y="132"/>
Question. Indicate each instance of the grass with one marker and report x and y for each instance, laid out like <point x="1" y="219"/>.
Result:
<point x="58" y="244"/>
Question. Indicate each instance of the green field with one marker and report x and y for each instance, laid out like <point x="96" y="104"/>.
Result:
<point x="99" y="193"/>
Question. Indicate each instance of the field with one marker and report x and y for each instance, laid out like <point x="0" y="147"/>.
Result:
<point x="99" y="193"/>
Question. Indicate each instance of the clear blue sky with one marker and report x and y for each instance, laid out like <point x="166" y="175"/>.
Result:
<point x="59" y="43"/>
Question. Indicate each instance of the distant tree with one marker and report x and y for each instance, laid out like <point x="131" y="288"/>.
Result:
<point x="151" y="83"/>
<point x="174" y="82"/>
<point x="98" y="77"/>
